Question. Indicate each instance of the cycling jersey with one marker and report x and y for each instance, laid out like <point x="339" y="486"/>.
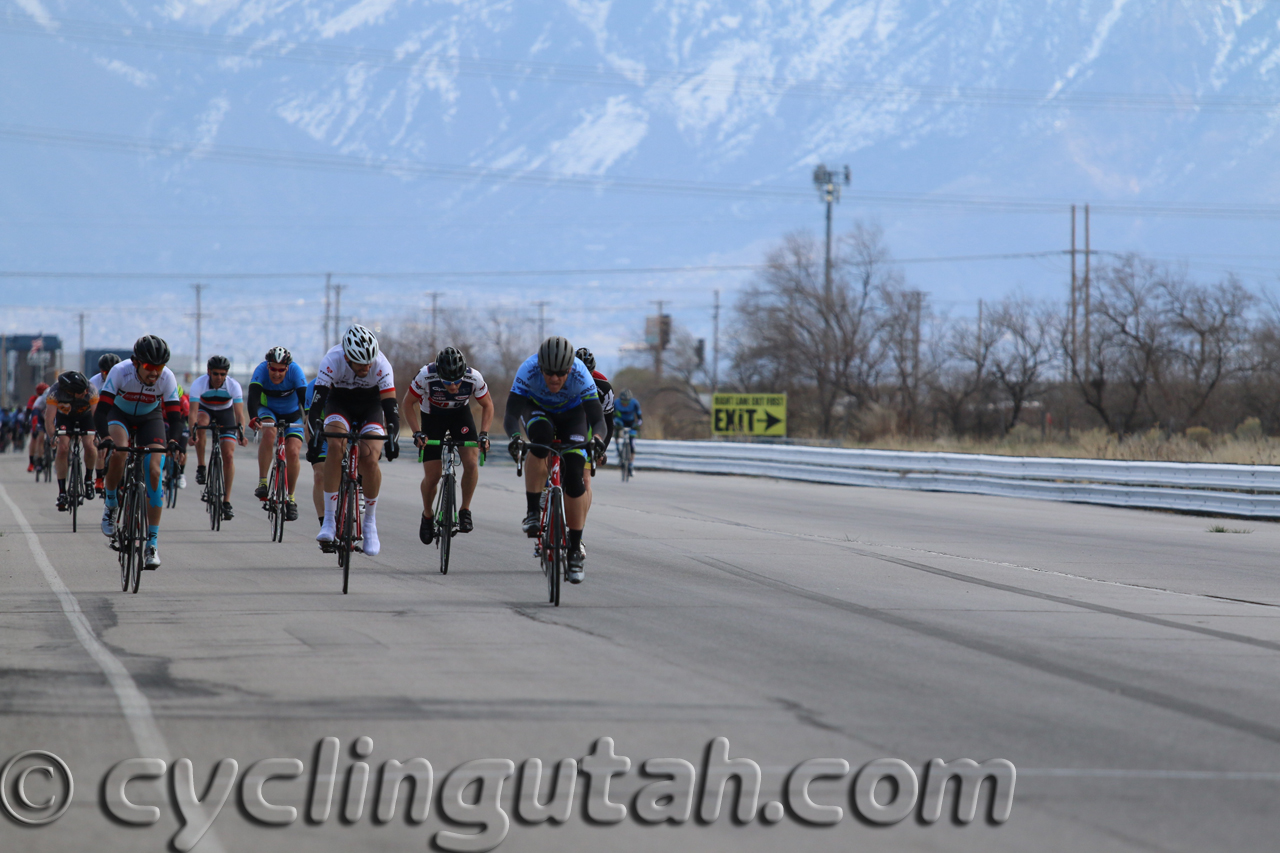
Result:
<point x="605" y="390"/>
<point x="124" y="388"/>
<point x="69" y="404"/>
<point x="628" y="413"/>
<point x="282" y="398"/>
<point x="336" y="373"/>
<point x="578" y="386"/>
<point x="311" y="393"/>
<point x="431" y="393"/>
<point x="216" y="399"/>
<point x="96" y="381"/>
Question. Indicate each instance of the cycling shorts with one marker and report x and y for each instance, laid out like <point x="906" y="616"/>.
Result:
<point x="347" y="406"/>
<point x="459" y="422"/>
<point x="82" y="422"/>
<point x="292" y="422"/>
<point x="224" y="419"/>
<point x="146" y="430"/>
<point x="570" y="427"/>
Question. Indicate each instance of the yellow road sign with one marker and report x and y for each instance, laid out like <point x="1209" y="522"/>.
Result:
<point x="749" y="414"/>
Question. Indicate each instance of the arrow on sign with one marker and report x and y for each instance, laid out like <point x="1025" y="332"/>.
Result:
<point x="770" y="421"/>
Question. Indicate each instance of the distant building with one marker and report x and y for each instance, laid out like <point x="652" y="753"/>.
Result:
<point x="25" y="362"/>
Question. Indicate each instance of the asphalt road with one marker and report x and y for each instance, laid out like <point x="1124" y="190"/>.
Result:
<point x="1125" y="662"/>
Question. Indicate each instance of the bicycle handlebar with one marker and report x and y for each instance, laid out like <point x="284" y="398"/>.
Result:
<point x="558" y="449"/>
<point x="351" y="435"/>
<point x="431" y="442"/>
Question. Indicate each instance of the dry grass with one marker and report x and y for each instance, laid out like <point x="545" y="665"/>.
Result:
<point x="1097" y="444"/>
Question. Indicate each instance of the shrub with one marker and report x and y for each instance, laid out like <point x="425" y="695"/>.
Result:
<point x="1249" y="430"/>
<point x="1202" y="436"/>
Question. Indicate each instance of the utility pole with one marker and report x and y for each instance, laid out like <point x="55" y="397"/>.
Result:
<point x="715" y="345"/>
<point x="83" y="366"/>
<point x="828" y="184"/>
<point x="542" y="319"/>
<point x="328" y="287"/>
<point x="979" y="354"/>
<point x="661" y="342"/>
<point x="435" y="298"/>
<point x="199" y="315"/>
<point x="337" y="312"/>
<point x="1087" y="305"/>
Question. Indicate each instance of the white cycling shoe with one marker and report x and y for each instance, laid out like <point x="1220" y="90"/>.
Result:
<point x="370" y="546"/>
<point x="182" y="481"/>
<point x="152" y="557"/>
<point x="328" y="531"/>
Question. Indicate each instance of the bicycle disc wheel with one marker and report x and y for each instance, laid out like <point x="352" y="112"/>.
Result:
<point x="559" y="545"/>
<point x="445" y="531"/>
<point x="346" y="536"/>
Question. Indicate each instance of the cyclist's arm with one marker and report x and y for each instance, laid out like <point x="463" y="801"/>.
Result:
<point x="390" y="411"/>
<point x="486" y="412"/>
<point x="412" y="412"/>
<point x="315" y="415"/>
<point x="511" y="420"/>
<point x="595" y="415"/>
<point x="173" y="414"/>
<point x="240" y="415"/>
<point x="302" y="401"/>
<point x="254" y="399"/>
<point x="105" y="399"/>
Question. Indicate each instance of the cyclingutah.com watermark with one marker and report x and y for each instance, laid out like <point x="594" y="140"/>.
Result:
<point x="36" y="788"/>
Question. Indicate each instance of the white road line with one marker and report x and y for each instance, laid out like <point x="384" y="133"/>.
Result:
<point x="136" y="708"/>
<point x="1189" y="775"/>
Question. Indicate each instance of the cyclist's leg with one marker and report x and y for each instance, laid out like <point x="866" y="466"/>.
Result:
<point x="293" y="454"/>
<point x="226" y="420"/>
<point x="151" y="435"/>
<point x="202" y="419"/>
<point x="336" y="419"/>
<point x="371" y="479"/>
<point x="266" y="445"/>
<point x="571" y="428"/>
<point x="435" y="424"/>
<point x="464" y="429"/>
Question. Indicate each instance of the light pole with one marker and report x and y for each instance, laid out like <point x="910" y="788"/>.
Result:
<point x="828" y="184"/>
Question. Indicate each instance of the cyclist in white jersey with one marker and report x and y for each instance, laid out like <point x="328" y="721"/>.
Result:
<point x="221" y="402"/>
<point x="355" y="391"/>
<point x="106" y="361"/>
<point x="139" y="396"/>
<point x="438" y="402"/>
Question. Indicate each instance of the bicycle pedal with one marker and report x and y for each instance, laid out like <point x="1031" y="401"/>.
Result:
<point x="327" y="547"/>
<point x="358" y="548"/>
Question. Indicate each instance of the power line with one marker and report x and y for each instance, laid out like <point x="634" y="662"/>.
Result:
<point x="672" y="78"/>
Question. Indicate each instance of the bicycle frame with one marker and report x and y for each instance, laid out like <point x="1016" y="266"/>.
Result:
<point x="552" y="547"/>
<point x="278" y="484"/>
<point x="347" y="521"/>
<point x="131" y="523"/>
<point x="75" y="472"/>
<point x="445" y="512"/>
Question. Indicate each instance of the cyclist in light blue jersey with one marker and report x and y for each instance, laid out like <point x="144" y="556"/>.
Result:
<point x="277" y="393"/>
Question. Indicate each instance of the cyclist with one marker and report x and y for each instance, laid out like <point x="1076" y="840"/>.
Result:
<point x="139" y="395"/>
<point x="221" y="403"/>
<point x="355" y="391"/>
<point x="277" y="393"/>
<point x="605" y="390"/>
<point x="106" y="361"/>
<point x="316" y="458"/>
<point x="554" y="398"/>
<point x="441" y="395"/>
<point x="35" y="421"/>
<point x="626" y="415"/>
<point x="184" y="403"/>
<point x="69" y="405"/>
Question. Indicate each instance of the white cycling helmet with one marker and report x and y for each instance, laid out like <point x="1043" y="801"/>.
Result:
<point x="359" y="345"/>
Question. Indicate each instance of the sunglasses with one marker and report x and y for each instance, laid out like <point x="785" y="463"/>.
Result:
<point x="156" y="367"/>
<point x="276" y="368"/>
<point x="555" y="373"/>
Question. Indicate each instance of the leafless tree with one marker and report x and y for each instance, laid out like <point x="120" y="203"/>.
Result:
<point x="1024" y="335"/>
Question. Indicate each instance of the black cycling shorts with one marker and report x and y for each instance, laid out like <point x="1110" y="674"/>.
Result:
<point x="82" y="422"/>
<point x="225" y="419"/>
<point x="459" y="422"/>
<point x="146" y="430"/>
<point x="357" y="407"/>
<point x="569" y="427"/>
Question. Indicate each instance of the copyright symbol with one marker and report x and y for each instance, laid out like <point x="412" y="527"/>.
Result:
<point x="29" y="788"/>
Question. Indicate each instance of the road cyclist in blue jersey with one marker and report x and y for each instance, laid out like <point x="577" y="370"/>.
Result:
<point x="277" y="395"/>
<point x="221" y="403"/>
<point x="554" y="398"/>
<point x="438" y="402"/>
<point x="138" y="397"/>
<point x="627" y="417"/>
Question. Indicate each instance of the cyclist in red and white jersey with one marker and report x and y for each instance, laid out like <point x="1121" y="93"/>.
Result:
<point x="354" y="390"/>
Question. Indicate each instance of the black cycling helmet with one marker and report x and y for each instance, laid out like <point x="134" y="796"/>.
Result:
<point x="107" y="360"/>
<point x="219" y="362"/>
<point x="555" y="355"/>
<point x="584" y="355"/>
<point x="450" y="365"/>
<point x="73" y="382"/>
<point x="150" y="349"/>
<point x="279" y="355"/>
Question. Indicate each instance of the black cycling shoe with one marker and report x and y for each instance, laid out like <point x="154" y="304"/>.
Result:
<point x="88" y="488"/>
<point x="227" y="514"/>
<point x="200" y="469"/>
<point x="261" y="492"/>
<point x="530" y="524"/>
<point x="427" y="530"/>
<point x="465" y="525"/>
<point x="290" y="511"/>
<point x="63" y="502"/>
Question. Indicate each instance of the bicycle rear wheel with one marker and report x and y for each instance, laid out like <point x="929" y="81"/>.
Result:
<point x="445" y="523"/>
<point x="75" y="481"/>
<point x="624" y="459"/>
<point x="347" y="531"/>
<point x="123" y="553"/>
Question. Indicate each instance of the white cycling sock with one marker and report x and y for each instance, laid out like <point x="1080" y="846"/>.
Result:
<point x="370" y="505"/>
<point x="330" y="506"/>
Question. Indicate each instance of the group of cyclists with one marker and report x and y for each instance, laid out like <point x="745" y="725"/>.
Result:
<point x="557" y="397"/>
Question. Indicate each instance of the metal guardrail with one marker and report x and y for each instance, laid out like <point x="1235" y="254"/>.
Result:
<point x="1241" y="490"/>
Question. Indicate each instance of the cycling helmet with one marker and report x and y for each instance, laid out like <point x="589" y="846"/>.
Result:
<point x="584" y="355"/>
<point x="555" y="355"/>
<point x="625" y="396"/>
<point x="42" y="387"/>
<point x="359" y="345"/>
<point x="151" y="349"/>
<point x="279" y="355"/>
<point x="107" y="361"/>
<point x="219" y="362"/>
<point x="450" y="365"/>
<point x="73" y="382"/>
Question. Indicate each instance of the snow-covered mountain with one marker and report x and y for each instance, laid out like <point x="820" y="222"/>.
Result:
<point x="219" y="136"/>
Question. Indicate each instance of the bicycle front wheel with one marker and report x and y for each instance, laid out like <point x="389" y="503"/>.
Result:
<point x="135" y="520"/>
<point x="75" y="481"/>
<point x="347" y="532"/>
<point x="444" y="529"/>
<point x="215" y="490"/>
<point x="559" y="544"/>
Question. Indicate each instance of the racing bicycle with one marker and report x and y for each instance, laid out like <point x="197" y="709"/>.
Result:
<point x="346" y="518"/>
<point x="552" y="545"/>
<point x="446" y="513"/>
<point x="215" y="484"/>
<point x="130" y="538"/>
<point x="75" y="473"/>
<point x="625" y="442"/>
<point x="276" y="502"/>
